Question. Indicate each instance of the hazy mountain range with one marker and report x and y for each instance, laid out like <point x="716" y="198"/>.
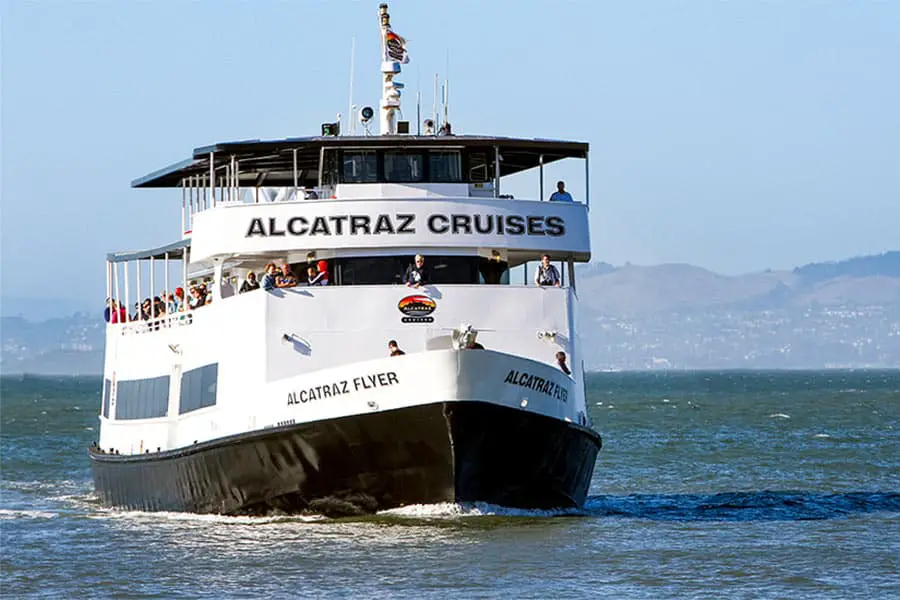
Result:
<point x="820" y="315"/>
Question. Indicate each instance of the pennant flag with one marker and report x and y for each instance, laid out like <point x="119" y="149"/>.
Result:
<point x="395" y="48"/>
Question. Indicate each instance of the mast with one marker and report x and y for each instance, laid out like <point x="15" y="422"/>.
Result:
<point x="393" y="48"/>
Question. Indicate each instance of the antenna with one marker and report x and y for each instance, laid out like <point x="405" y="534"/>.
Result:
<point x="350" y="106"/>
<point x="434" y="108"/>
<point x="447" y="88"/>
<point x="447" y="100"/>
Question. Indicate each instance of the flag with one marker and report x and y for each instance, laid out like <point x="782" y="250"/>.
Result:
<point x="395" y="48"/>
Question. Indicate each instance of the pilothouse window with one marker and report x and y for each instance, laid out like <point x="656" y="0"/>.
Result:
<point x="403" y="167"/>
<point x="360" y="167"/>
<point x="479" y="171"/>
<point x="445" y="167"/>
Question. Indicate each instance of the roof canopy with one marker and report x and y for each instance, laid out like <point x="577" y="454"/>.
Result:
<point x="172" y="251"/>
<point x="271" y="163"/>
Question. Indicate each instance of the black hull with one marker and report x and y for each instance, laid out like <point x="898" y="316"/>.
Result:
<point x="445" y="452"/>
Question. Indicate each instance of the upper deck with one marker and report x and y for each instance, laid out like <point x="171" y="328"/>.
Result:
<point x="311" y="162"/>
<point x="316" y="193"/>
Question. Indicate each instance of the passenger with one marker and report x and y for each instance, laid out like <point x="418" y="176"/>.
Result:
<point x="546" y="274"/>
<point x="250" y="283"/>
<point x="561" y="361"/>
<point x="492" y="271"/>
<point x="268" y="282"/>
<point x="179" y="299"/>
<point x="285" y="279"/>
<point x="395" y="349"/>
<point x="561" y="195"/>
<point x="114" y="313"/>
<point x="311" y="275"/>
<point x="321" y="273"/>
<point x="473" y="345"/>
<point x="416" y="275"/>
<point x="197" y="299"/>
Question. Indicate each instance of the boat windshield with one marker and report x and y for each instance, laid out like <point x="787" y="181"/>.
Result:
<point x="439" y="165"/>
<point x="382" y="270"/>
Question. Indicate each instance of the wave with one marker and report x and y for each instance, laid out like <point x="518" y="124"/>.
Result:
<point x="8" y="514"/>
<point x="472" y="509"/>
<point x="742" y="506"/>
<point x="171" y="517"/>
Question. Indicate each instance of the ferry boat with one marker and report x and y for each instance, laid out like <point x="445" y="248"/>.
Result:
<point x="287" y="398"/>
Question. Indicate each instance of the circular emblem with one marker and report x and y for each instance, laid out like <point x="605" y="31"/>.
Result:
<point x="417" y="308"/>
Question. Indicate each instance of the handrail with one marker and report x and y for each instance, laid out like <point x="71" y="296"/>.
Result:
<point x="179" y="319"/>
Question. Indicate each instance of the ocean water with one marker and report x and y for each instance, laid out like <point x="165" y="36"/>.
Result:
<point x="710" y="485"/>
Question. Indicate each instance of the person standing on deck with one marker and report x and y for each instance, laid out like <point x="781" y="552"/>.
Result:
<point x="416" y="275"/>
<point x="547" y="275"/>
<point x="268" y="281"/>
<point x="561" y="195"/>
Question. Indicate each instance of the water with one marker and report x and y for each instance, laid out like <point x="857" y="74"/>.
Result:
<point x="710" y="485"/>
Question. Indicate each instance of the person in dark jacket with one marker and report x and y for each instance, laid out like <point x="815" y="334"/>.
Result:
<point x="416" y="274"/>
<point x="249" y="284"/>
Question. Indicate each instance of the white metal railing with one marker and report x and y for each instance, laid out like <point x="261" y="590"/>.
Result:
<point x="196" y="199"/>
<point x="168" y="321"/>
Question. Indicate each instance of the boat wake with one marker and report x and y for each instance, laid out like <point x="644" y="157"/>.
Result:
<point x="69" y="498"/>
<point x="448" y="510"/>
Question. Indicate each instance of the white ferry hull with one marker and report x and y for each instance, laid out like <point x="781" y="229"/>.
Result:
<point x="459" y="451"/>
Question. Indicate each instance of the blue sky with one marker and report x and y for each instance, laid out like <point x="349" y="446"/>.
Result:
<point x="737" y="136"/>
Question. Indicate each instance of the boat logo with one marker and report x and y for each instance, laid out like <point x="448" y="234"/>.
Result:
<point x="417" y="309"/>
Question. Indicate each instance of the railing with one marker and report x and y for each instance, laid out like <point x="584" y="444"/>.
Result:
<point x="179" y="319"/>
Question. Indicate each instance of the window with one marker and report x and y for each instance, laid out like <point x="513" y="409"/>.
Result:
<point x="198" y="388"/>
<point x="142" y="398"/>
<point x="372" y="271"/>
<point x="452" y="269"/>
<point x="445" y="166"/>
<point x="360" y="167"/>
<point x="389" y="270"/>
<point x="330" y="171"/>
<point x="403" y="167"/>
<point x="107" y="385"/>
<point x="479" y="168"/>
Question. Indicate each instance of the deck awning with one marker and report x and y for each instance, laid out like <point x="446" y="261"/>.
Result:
<point x="175" y="250"/>
<point x="271" y="163"/>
